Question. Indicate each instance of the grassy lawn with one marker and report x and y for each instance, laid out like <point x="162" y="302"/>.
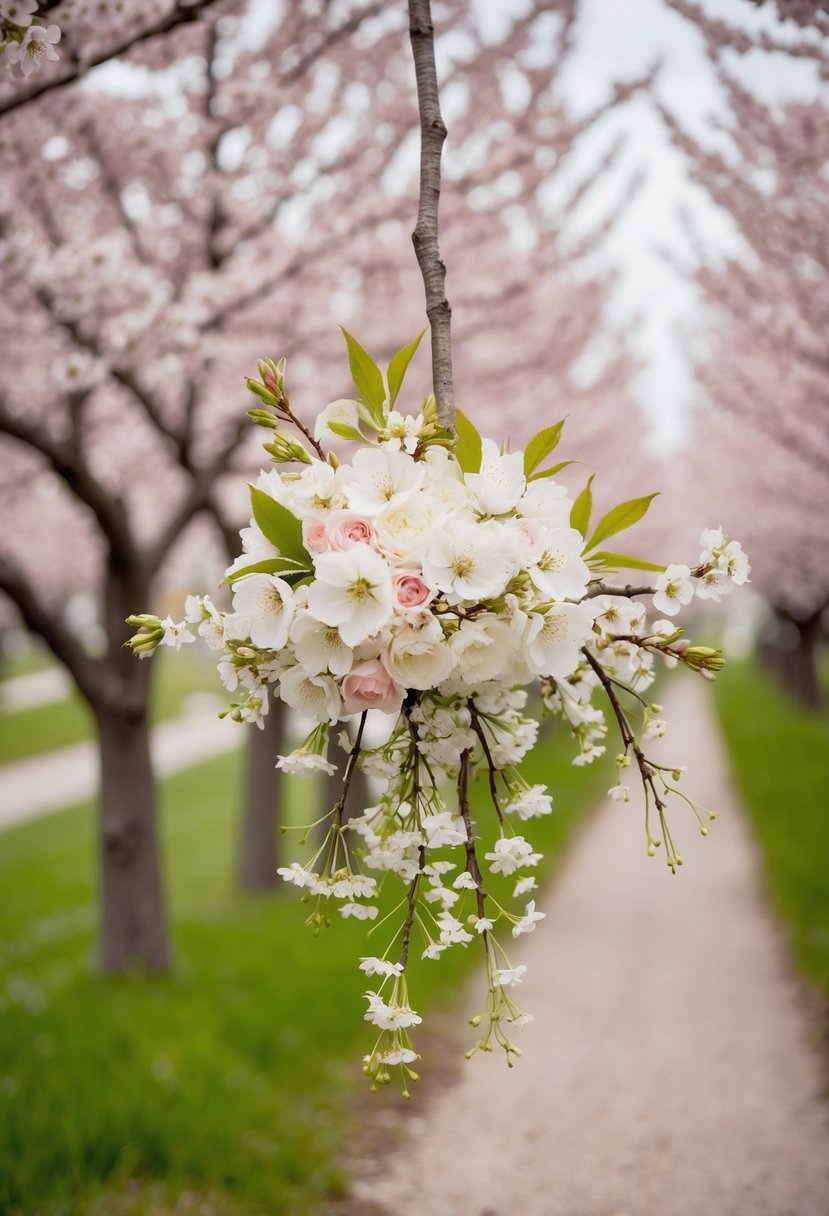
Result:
<point x="781" y="757"/>
<point x="29" y="732"/>
<point x="228" y="1082"/>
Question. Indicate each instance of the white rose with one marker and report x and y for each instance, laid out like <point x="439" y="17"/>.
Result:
<point x="419" y="658"/>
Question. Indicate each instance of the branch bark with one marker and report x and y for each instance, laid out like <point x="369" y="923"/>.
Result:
<point x="425" y="235"/>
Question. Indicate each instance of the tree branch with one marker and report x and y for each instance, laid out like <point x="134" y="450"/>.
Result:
<point x="37" y="618"/>
<point x="425" y="235"/>
<point x="75" y="69"/>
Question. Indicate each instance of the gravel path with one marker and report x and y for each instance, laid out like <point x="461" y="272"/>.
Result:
<point x="48" y="782"/>
<point x="672" y="1069"/>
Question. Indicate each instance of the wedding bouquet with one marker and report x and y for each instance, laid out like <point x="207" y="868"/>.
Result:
<point x="433" y="577"/>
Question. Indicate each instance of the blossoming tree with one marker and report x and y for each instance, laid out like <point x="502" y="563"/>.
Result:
<point x="144" y="260"/>
<point x="764" y="371"/>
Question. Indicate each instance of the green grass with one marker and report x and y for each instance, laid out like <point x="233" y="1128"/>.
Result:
<point x="780" y="754"/>
<point x="30" y="732"/>
<point x="232" y="1079"/>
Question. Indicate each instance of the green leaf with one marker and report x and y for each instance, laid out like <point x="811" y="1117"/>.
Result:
<point x="271" y="565"/>
<point x="621" y="517"/>
<point x="580" y="513"/>
<point x="622" y="561"/>
<point x="398" y="365"/>
<point x="468" y="444"/>
<point x="345" y="431"/>
<point x="367" y="376"/>
<point x="556" y="468"/>
<point x="539" y="448"/>
<point x="280" y="527"/>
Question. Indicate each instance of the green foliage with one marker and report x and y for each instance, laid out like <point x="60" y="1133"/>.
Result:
<point x="540" y="447"/>
<point x="551" y="472"/>
<point x="582" y="508"/>
<point x="367" y="378"/>
<point x="621" y="517"/>
<point x="345" y="431"/>
<point x="623" y="561"/>
<point x="468" y="444"/>
<point x="398" y="366"/>
<point x="781" y="756"/>
<point x="231" y="1078"/>
<point x="269" y="565"/>
<point x="280" y="527"/>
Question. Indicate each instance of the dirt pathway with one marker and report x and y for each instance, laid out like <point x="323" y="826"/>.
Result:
<point x="672" y="1069"/>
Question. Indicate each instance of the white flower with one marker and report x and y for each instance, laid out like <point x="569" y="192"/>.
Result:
<point x="266" y="603"/>
<point x="380" y="966"/>
<point x="342" y="412"/>
<point x="299" y="877"/>
<point x="359" y="911"/>
<point x="561" y="573"/>
<point x="389" y="1017"/>
<point x="528" y="921"/>
<point x="712" y="541"/>
<point x="673" y="589"/>
<point x="419" y="657"/>
<point x="470" y="563"/>
<point x="547" y="502"/>
<point x="314" y="697"/>
<point x="619" y="793"/>
<point x="353" y="591"/>
<point x="18" y="12"/>
<point x="319" y="647"/>
<point x="433" y="950"/>
<point x="400" y="1055"/>
<point x="443" y="829"/>
<point x="524" y="885"/>
<point x="655" y="728"/>
<point x="552" y="642"/>
<point x="500" y="483"/>
<point x="465" y="882"/>
<point x="508" y="977"/>
<point x="482" y="649"/>
<point x="176" y="633"/>
<point x="315" y="492"/>
<point x="713" y="585"/>
<point x="302" y="764"/>
<point x="452" y="932"/>
<point x="511" y="853"/>
<point x="482" y="924"/>
<point x="531" y="803"/>
<point x="405" y="528"/>
<point x="379" y="478"/>
<point x="735" y="563"/>
<point x="38" y="45"/>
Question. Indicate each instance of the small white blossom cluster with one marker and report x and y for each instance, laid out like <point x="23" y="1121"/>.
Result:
<point x="25" y="42"/>
<point x="432" y="578"/>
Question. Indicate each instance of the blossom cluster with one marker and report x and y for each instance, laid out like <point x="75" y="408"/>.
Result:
<point x="430" y="580"/>
<point x="25" y="42"/>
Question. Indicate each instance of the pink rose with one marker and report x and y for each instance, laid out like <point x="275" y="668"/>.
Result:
<point x="369" y="686"/>
<point x="410" y="591"/>
<point x="314" y="536"/>
<point x="344" y="530"/>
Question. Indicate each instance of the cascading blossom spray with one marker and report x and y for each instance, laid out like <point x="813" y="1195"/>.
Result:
<point x="433" y="578"/>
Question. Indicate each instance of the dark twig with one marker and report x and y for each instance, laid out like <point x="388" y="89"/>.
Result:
<point x="471" y="856"/>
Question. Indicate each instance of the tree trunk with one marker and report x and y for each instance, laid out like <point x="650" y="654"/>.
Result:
<point x="803" y="681"/>
<point x="133" y="922"/>
<point x="259" y="838"/>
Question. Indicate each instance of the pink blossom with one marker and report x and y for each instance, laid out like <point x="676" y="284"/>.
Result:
<point x="369" y="686"/>
<point x="410" y="591"/>
<point x="314" y="536"/>
<point x="344" y="530"/>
